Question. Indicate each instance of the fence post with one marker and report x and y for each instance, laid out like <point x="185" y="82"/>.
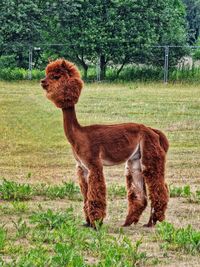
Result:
<point x="166" y="65"/>
<point x="30" y="63"/>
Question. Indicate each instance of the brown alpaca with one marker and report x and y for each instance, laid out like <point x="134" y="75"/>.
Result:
<point x="142" y="148"/>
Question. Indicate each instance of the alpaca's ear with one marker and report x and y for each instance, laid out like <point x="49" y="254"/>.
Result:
<point x="50" y="60"/>
<point x="64" y="65"/>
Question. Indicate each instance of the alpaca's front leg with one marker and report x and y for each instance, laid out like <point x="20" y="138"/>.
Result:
<point x="158" y="191"/>
<point x="96" y="194"/>
<point x="82" y="173"/>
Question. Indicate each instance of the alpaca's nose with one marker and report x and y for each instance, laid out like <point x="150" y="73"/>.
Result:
<point x="44" y="83"/>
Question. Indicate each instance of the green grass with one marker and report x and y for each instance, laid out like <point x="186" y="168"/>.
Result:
<point x="56" y="239"/>
<point x="41" y="212"/>
<point x="187" y="239"/>
<point x="3" y="235"/>
<point x="185" y="191"/>
<point x="10" y="190"/>
<point x="18" y="192"/>
<point x="43" y="150"/>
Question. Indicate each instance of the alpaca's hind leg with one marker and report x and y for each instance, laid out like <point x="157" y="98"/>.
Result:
<point x="96" y="194"/>
<point x="158" y="191"/>
<point x="82" y="173"/>
<point x="137" y="200"/>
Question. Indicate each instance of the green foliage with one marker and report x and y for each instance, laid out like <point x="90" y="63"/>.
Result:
<point x="185" y="74"/>
<point x="7" y="61"/>
<point x="196" y="52"/>
<point x="49" y="219"/>
<point x="10" y="74"/>
<point x="184" y="191"/>
<point x="186" y="239"/>
<point x="10" y="190"/>
<point x="116" y="191"/>
<point x="120" y="32"/>
<point x="67" y="189"/>
<point x="66" y="256"/>
<point x="198" y="195"/>
<point x="117" y="32"/>
<point x="193" y="19"/>
<point x="22" y="229"/>
<point x="19" y="206"/>
<point x="3" y="235"/>
<point x="21" y="25"/>
<point x="72" y="242"/>
<point x="141" y="73"/>
<point x="68" y="244"/>
<point x="37" y="257"/>
<point x="130" y="73"/>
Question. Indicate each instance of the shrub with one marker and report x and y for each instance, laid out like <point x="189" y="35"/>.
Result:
<point x="7" y="61"/>
<point x="185" y="74"/>
<point x="14" y="74"/>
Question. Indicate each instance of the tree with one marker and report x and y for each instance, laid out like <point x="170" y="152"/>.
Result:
<point x="73" y="26"/>
<point x="20" y="26"/>
<point x="109" y="31"/>
<point x="193" y="18"/>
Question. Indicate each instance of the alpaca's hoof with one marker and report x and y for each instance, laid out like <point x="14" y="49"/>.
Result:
<point x="130" y="221"/>
<point x="149" y="224"/>
<point x="87" y="224"/>
<point x="126" y="224"/>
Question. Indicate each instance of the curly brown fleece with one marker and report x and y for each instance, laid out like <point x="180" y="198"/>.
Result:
<point x="142" y="148"/>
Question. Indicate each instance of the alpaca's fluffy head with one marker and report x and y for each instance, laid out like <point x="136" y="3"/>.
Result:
<point x="62" y="83"/>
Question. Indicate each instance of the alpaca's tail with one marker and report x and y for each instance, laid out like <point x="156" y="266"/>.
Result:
<point x="163" y="140"/>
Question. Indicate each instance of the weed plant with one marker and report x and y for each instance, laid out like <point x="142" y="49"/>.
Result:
<point x="22" y="229"/>
<point x="3" y="235"/>
<point x="10" y="190"/>
<point x="66" y="243"/>
<point x="67" y="189"/>
<point x="117" y="191"/>
<point x="50" y="219"/>
<point x="185" y="191"/>
<point x="186" y="239"/>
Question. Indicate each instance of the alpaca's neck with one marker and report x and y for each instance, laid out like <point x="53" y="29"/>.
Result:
<point x="71" y="125"/>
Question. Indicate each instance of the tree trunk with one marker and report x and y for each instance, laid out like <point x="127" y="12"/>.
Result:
<point x="84" y="66"/>
<point x="20" y="62"/>
<point x="102" y="67"/>
<point x="121" y="67"/>
<point x="85" y="69"/>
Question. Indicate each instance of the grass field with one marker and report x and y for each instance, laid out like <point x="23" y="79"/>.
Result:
<point x="41" y="220"/>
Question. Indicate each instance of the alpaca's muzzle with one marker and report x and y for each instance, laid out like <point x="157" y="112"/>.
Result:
<point x="44" y="84"/>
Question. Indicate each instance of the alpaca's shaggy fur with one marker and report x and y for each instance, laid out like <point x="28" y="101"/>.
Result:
<point x="142" y="148"/>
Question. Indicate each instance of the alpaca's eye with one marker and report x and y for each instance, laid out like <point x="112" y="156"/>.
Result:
<point x="56" y="77"/>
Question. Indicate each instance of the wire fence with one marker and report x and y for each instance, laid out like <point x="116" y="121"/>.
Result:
<point x="166" y="63"/>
